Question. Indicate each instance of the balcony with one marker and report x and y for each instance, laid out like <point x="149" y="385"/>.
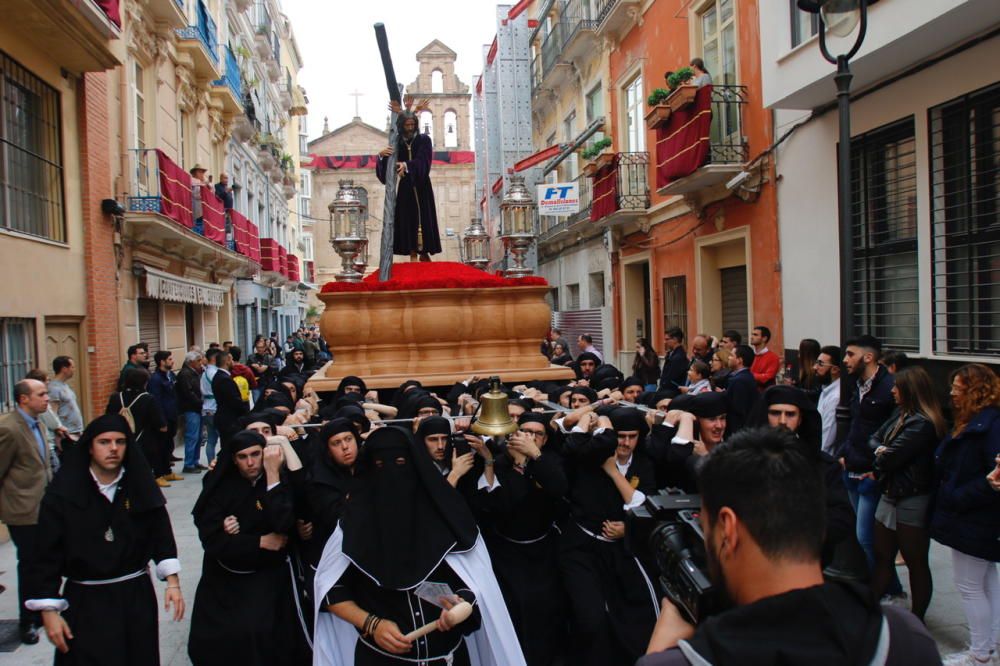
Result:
<point x="229" y="89"/>
<point x="616" y="17"/>
<point x="159" y="217"/>
<point x="621" y="190"/>
<point x="273" y="263"/>
<point x="167" y="12"/>
<point x="553" y="70"/>
<point x="200" y="44"/>
<point x="712" y="155"/>
<point x="80" y="35"/>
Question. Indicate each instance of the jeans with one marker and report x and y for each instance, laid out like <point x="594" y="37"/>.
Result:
<point x="978" y="583"/>
<point x="192" y="438"/>
<point x="864" y="495"/>
<point x="211" y="435"/>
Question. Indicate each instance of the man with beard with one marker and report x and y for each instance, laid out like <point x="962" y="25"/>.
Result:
<point x="827" y="368"/>
<point x="763" y="524"/>
<point x="243" y="608"/>
<point x="295" y="364"/>
<point x="101" y="522"/>
<point x="521" y="511"/>
<point x="610" y="595"/>
<point x="405" y="526"/>
<point x="415" y="224"/>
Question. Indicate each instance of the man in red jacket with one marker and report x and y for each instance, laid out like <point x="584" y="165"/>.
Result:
<point x="765" y="363"/>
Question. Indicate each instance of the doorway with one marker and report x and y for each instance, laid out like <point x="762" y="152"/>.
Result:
<point x="636" y="296"/>
<point x="63" y="339"/>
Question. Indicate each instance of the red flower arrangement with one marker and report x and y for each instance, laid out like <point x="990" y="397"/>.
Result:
<point x="433" y="275"/>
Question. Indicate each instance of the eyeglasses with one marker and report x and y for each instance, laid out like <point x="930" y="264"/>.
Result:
<point x="821" y="364"/>
<point x="531" y="433"/>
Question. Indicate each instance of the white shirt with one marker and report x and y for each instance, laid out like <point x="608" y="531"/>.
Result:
<point x="208" y="403"/>
<point x="828" y="401"/>
<point x="638" y="497"/>
<point x="108" y="489"/>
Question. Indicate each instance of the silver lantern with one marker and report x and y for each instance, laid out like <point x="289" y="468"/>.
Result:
<point x="475" y="245"/>
<point x="517" y="225"/>
<point x="347" y="230"/>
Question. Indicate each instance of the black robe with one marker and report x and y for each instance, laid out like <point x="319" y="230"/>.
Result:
<point x="409" y="612"/>
<point x="612" y="599"/>
<point x="84" y="537"/>
<point x="415" y="207"/>
<point x="244" y="611"/>
<point x="524" y="548"/>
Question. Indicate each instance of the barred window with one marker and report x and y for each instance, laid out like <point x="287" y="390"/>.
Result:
<point x="31" y="170"/>
<point x="884" y="226"/>
<point x="965" y="193"/>
<point x="17" y="356"/>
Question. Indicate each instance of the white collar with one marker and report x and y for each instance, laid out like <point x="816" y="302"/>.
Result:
<point x="107" y="489"/>
<point x="762" y="351"/>
<point x="832" y="385"/>
<point x="624" y="468"/>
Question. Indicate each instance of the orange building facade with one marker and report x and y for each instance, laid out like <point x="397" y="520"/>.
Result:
<point x="709" y="259"/>
<point x="697" y="249"/>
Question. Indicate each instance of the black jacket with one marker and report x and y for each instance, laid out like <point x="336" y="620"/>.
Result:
<point x="742" y="394"/>
<point x="188" y="390"/>
<point x="965" y="510"/>
<point x="675" y="368"/>
<point x="906" y="466"/>
<point x="230" y="403"/>
<point x="866" y="417"/>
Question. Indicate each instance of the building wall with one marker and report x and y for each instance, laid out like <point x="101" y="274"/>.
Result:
<point x="807" y="190"/>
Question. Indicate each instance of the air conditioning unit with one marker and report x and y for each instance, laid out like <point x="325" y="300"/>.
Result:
<point x="277" y="297"/>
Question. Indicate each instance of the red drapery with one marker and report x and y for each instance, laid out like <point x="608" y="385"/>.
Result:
<point x="175" y="191"/>
<point x="111" y="10"/>
<point x="270" y="255"/>
<point x="683" y="143"/>
<point x="293" y="268"/>
<point x="605" y="199"/>
<point x="283" y="260"/>
<point x="214" y="215"/>
<point x="241" y="235"/>
<point x="253" y="241"/>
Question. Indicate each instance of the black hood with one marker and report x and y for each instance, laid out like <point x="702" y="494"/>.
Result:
<point x="403" y="517"/>
<point x="825" y="625"/>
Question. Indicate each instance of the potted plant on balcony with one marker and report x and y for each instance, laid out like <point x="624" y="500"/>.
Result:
<point x="659" y="111"/>
<point x="682" y="93"/>
<point x="598" y="156"/>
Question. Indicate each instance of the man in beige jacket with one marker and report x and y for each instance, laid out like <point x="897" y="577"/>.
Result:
<point x="25" y="471"/>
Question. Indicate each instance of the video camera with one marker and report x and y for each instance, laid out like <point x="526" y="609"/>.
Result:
<point x="665" y="532"/>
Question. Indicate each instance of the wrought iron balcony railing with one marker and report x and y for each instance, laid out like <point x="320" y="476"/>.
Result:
<point x="231" y="77"/>
<point x="205" y="31"/>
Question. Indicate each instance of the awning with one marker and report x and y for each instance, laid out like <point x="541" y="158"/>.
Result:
<point x="167" y="287"/>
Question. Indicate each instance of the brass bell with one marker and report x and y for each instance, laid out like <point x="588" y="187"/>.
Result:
<point x="493" y="418"/>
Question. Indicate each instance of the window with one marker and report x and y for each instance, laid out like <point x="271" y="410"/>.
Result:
<point x="450" y="129"/>
<point x="594" y="108"/>
<point x="238" y="192"/>
<point x="675" y="310"/>
<point x="965" y="196"/>
<point x="597" y="290"/>
<point x="427" y="124"/>
<point x="573" y="297"/>
<point x="305" y="184"/>
<point x="804" y="24"/>
<point x="884" y="229"/>
<point x="437" y="82"/>
<point x="553" y="297"/>
<point x="307" y="243"/>
<point x="139" y="106"/>
<point x="635" y="127"/>
<point x="718" y="41"/>
<point x="31" y="172"/>
<point x="17" y="356"/>
<point x="304" y="211"/>
<point x="303" y="144"/>
<point x="182" y="125"/>
<point x="570" y="164"/>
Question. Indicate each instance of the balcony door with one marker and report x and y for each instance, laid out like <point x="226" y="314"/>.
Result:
<point x="718" y="49"/>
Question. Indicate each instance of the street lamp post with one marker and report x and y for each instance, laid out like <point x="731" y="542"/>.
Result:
<point x="841" y="17"/>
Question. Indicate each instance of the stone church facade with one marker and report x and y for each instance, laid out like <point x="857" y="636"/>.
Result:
<point x="348" y="153"/>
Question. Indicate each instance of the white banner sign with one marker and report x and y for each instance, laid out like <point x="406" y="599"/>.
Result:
<point x="558" y="199"/>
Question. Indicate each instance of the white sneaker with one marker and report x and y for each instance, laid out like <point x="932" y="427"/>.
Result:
<point x="965" y="659"/>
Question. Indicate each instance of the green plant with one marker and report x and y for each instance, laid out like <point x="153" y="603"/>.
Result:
<point x="658" y="96"/>
<point x="312" y="312"/>
<point x="243" y="52"/>
<point x="596" y="148"/>
<point x="680" y="77"/>
<point x="287" y="163"/>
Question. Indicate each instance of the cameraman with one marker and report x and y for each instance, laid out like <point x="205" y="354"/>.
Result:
<point x="763" y="522"/>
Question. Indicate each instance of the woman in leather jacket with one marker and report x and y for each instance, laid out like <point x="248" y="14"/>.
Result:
<point x="904" y="463"/>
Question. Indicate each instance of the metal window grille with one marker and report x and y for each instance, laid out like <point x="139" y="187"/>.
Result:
<point x="675" y="311"/>
<point x="965" y="193"/>
<point x="17" y="356"/>
<point x="573" y="297"/>
<point x="884" y="231"/>
<point x="31" y="168"/>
